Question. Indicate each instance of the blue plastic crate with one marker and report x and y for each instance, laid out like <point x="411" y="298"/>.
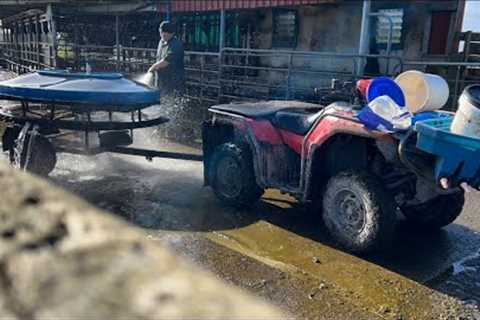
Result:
<point x="458" y="157"/>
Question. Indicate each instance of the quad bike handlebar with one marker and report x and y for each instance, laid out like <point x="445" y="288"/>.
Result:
<point x="339" y="91"/>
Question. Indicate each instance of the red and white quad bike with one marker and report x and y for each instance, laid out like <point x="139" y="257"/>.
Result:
<point x="323" y="155"/>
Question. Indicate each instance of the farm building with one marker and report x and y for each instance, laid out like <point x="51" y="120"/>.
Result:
<point x="244" y="49"/>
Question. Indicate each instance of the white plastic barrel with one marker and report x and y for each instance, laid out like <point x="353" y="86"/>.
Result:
<point x="423" y="91"/>
<point x="467" y="117"/>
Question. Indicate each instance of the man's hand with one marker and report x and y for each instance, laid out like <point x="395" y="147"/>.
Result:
<point x="158" y="65"/>
<point x="153" y="68"/>
<point x="467" y="188"/>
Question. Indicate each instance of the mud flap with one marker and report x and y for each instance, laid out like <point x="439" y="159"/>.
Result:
<point x="9" y="136"/>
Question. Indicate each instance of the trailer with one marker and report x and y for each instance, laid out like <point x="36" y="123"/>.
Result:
<point x="61" y="111"/>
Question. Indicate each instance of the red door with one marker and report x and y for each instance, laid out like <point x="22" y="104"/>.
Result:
<point x="439" y="32"/>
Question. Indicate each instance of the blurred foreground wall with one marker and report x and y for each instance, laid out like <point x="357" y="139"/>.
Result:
<point x="62" y="258"/>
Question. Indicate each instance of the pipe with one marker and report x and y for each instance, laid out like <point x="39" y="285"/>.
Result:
<point x="221" y="43"/>
<point x="363" y="47"/>
<point x="53" y="35"/>
<point x="117" y="40"/>
<point x="169" y="10"/>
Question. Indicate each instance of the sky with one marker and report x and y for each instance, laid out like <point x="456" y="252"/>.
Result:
<point x="471" y="21"/>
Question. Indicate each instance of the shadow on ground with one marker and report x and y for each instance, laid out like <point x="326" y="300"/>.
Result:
<point x="445" y="260"/>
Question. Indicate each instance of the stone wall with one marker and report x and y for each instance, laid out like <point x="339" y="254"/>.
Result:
<point x="62" y="258"/>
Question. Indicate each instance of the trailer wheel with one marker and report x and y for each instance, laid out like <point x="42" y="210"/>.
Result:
<point x="40" y="159"/>
<point x="436" y="213"/>
<point x="232" y="176"/>
<point x="358" y="212"/>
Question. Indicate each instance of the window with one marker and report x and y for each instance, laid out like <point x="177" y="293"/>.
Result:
<point x="383" y="28"/>
<point x="285" y="28"/>
<point x="199" y="31"/>
<point x="232" y="30"/>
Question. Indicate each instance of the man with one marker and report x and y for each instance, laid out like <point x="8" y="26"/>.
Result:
<point x="169" y="65"/>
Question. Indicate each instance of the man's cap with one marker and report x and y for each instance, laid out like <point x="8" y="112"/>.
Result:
<point x="167" y="26"/>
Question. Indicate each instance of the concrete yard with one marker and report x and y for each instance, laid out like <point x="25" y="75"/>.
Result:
<point x="279" y="251"/>
<point x="63" y="258"/>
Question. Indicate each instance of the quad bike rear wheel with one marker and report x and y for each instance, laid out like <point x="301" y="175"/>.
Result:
<point x="232" y="175"/>
<point x="358" y="212"/>
<point x="37" y="156"/>
<point x="435" y="213"/>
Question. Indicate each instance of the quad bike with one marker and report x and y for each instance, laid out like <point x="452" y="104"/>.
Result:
<point x="357" y="178"/>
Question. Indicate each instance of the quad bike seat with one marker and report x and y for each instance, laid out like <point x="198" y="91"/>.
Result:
<point x="264" y="110"/>
<point x="298" y="121"/>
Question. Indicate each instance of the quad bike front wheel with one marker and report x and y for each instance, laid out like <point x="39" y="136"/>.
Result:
<point x="358" y="212"/>
<point x="435" y="213"/>
<point x="232" y="175"/>
<point x="33" y="153"/>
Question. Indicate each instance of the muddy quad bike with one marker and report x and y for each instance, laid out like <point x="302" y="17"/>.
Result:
<point x="357" y="178"/>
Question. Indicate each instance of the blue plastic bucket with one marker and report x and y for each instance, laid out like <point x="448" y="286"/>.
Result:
<point x="383" y="86"/>
<point x="428" y="116"/>
<point x="373" y="121"/>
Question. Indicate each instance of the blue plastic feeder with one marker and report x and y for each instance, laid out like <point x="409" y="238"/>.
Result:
<point x="458" y="157"/>
<point x="103" y="91"/>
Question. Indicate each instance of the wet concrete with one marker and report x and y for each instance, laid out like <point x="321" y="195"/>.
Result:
<point x="167" y="199"/>
<point x="279" y="249"/>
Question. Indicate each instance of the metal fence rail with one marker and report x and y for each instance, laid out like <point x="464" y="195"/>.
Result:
<point x="202" y="68"/>
<point x="203" y="76"/>
<point x="23" y="58"/>
<point x="281" y="74"/>
<point x="235" y="74"/>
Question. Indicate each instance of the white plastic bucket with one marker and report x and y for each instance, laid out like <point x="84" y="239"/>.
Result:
<point x="467" y="118"/>
<point x="423" y="91"/>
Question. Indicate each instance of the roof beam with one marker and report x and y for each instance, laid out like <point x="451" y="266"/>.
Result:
<point x="10" y="8"/>
<point x="43" y="2"/>
<point x="119" y="8"/>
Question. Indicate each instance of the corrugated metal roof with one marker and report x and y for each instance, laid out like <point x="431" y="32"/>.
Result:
<point x="213" y="5"/>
